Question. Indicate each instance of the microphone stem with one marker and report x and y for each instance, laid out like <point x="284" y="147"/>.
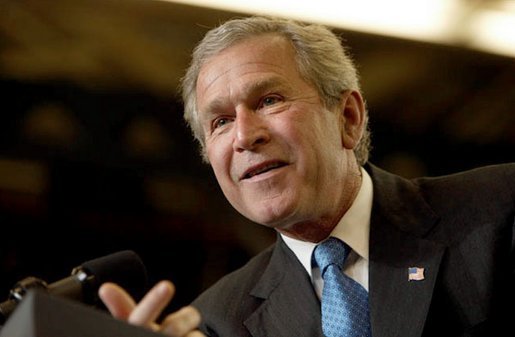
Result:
<point x="70" y="287"/>
<point x="16" y="295"/>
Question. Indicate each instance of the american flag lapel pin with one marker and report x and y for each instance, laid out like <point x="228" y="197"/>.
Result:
<point x="415" y="274"/>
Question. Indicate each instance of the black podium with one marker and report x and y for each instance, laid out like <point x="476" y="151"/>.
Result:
<point x="43" y="315"/>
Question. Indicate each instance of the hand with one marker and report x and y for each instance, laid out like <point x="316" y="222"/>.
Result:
<point x="182" y="323"/>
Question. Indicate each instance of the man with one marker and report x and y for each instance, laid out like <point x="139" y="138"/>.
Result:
<point x="277" y="109"/>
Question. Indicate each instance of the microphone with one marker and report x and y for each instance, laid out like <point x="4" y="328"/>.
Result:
<point x="124" y="268"/>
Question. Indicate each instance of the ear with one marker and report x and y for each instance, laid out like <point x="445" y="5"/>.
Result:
<point x="352" y="118"/>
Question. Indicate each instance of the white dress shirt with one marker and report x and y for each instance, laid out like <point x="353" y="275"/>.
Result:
<point x="353" y="229"/>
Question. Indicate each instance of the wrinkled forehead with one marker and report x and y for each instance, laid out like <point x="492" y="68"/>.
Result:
<point x="262" y="49"/>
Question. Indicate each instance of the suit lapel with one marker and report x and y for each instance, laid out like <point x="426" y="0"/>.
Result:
<point x="289" y="299"/>
<point x="400" y="217"/>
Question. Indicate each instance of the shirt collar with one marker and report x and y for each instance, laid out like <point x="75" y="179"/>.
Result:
<point x="353" y="228"/>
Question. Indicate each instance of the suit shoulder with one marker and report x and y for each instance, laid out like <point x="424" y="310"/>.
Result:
<point x="481" y="195"/>
<point x="485" y="174"/>
<point x="488" y="183"/>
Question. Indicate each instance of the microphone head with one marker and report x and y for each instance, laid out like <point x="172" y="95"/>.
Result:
<point x="124" y="268"/>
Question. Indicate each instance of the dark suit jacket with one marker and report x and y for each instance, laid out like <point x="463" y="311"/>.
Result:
<point x="459" y="228"/>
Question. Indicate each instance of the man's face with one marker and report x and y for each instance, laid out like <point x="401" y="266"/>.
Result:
<point x="277" y="152"/>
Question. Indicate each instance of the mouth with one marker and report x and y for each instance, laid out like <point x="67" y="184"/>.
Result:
<point x="262" y="168"/>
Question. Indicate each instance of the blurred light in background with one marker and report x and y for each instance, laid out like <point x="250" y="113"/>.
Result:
<point x="494" y="31"/>
<point x="23" y="176"/>
<point x="487" y="25"/>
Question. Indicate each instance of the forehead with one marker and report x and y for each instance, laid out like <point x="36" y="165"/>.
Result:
<point x="269" y="53"/>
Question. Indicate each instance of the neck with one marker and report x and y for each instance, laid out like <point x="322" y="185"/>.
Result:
<point x="319" y="229"/>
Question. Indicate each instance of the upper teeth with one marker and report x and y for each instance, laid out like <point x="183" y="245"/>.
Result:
<point x="261" y="170"/>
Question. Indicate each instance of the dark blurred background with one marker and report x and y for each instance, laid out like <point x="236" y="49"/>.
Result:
<point x="95" y="157"/>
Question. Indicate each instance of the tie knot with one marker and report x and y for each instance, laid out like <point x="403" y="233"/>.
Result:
<point x="331" y="251"/>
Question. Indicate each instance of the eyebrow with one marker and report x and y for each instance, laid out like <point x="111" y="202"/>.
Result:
<point x="274" y="82"/>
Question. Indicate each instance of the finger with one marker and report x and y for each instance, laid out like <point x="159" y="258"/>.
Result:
<point x="195" y="333"/>
<point x="181" y="322"/>
<point x="119" y="303"/>
<point x="151" y="306"/>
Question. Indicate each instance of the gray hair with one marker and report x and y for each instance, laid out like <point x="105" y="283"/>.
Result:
<point x="321" y="59"/>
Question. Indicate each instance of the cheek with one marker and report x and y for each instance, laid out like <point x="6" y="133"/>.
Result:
<point x="220" y="160"/>
<point x="319" y="152"/>
<point x="313" y="137"/>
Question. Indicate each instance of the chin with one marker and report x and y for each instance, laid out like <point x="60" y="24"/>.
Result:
<point x="273" y="219"/>
<point x="270" y="212"/>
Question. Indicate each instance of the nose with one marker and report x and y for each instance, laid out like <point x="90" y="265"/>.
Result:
<point x="251" y="131"/>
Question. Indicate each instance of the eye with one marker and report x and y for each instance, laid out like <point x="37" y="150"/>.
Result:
<point x="220" y="121"/>
<point x="270" y="100"/>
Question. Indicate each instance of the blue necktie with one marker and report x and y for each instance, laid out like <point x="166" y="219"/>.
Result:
<point x="344" y="301"/>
